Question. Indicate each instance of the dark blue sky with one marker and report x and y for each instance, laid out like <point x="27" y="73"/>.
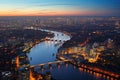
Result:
<point x="60" y="7"/>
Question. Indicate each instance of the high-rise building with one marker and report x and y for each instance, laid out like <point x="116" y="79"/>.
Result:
<point x="110" y="43"/>
<point x="117" y="24"/>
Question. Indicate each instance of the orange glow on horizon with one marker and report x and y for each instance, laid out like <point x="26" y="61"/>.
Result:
<point x="47" y="13"/>
<point x="36" y="14"/>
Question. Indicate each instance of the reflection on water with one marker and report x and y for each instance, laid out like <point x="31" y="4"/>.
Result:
<point x="46" y="51"/>
<point x="68" y="72"/>
<point x="43" y="52"/>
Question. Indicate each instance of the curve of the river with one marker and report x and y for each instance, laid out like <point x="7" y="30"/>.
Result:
<point x="46" y="52"/>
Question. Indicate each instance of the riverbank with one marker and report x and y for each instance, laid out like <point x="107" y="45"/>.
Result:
<point x="98" y="72"/>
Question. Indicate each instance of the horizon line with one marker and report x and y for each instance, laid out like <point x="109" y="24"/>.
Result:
<point x="60" y="16"/>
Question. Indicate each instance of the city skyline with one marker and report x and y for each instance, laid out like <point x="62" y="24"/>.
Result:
<point x="59" y="8"/>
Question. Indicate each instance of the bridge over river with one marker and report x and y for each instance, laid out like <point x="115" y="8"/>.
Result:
<point x="50" y="63"/>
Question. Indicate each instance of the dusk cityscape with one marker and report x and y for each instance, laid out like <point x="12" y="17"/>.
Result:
<point x="60" y="40"/>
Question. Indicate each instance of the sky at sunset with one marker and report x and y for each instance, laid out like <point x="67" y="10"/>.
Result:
<point x="59" y="7"/>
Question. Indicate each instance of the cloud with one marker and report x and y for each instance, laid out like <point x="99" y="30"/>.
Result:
<point x="42" y="5"/>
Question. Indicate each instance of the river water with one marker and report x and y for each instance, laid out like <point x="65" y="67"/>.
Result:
<point x="46" y="52"/>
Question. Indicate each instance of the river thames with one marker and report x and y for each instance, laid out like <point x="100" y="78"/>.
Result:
<point x="46" y="52"/>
